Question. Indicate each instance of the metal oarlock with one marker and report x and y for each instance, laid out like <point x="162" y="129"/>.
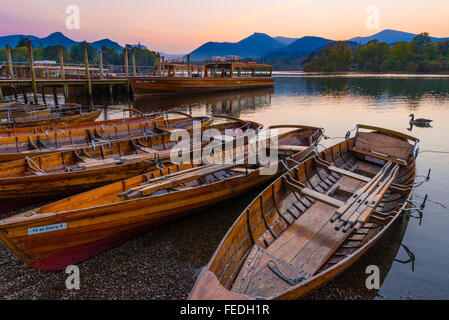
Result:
<point x="425" y="180"/>
<point x="416" y="206"/>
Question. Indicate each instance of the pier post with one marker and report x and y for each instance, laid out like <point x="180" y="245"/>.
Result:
<point x="125" y="55"/>
<point x="163" y="66"/>
<point x="1" y="94"/>
<point x="89" y="84"/>
<point x="8" y="57"/>
<point x="44" y="101"/>
<point x="65" y="87"/>
<point x="133" y="60"/>
<point x="189" y="72"/>
<point x="159" y="64"/>
<point x="111" y="93"/>
<point x="11" y="70"/>
<point x="100" y="63"/>
<point x="25" y="97"/>
<point x="55" y="96"/>
<point x="33" y="74"/>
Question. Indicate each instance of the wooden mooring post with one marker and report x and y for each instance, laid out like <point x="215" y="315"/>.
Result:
<point x="159" y="64"/>
<point x="189" y="72"/>
<point x="133" y="60"/>
<point x="65" y="87"/>
<point x="33" y="74"/>
<point x="44" y="101"/>
<point x="89" y="84"/>
<point x="100" y="63"/>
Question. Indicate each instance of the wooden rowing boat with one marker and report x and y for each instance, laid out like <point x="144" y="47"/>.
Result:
<point x="314" y="221"/>
<point x="72" y="171"/>
<point x="52" y="118"/>
<point x="73" y="229"/>
<point x="20" y="147"/>
<point x="159" y="119"/>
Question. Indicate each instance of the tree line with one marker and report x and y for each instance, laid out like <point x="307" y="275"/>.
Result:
<point x="74" y="54"/>
<point x="420" y="55"/>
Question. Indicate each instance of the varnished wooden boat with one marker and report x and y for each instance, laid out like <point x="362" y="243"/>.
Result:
<point x="231" y="76"/>
<point x="71" y="230"/>
<point x="52" y="118"/>
<point x="315" y="221"/>
<point x="20" y="147"/>
<point x="159" y="119"/>
<point x="68" y="172"/>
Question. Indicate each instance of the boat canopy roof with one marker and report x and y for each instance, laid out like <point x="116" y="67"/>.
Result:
<point x="237" y="64"/>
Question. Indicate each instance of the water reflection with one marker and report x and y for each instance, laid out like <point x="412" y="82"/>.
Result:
<point x="232" y="103"/>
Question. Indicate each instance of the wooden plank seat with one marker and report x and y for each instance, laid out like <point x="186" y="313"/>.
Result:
<point x="326" y="165"/>
<point x="291" y="148"/>
<point x="378" y="155"/>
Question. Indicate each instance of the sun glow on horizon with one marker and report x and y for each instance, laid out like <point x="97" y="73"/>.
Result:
<point x="176" y="27"/>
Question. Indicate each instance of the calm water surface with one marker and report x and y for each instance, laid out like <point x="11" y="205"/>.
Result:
<point x="338" y="103"/>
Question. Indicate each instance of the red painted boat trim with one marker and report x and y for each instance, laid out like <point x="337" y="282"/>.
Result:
<point x="75" y="255"/>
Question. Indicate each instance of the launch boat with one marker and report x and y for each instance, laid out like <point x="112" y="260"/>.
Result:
<point x="215" y="77"/>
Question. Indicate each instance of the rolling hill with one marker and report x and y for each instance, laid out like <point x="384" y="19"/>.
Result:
<point x="390" y="37"/>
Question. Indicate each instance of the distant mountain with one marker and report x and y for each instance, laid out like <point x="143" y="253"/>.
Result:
<point x="108" y="43"/>
<point x="13" y="40"/>
<point x="285" y="40"/>
<point x="391" y="37"/>
<point x="56" y="38"/>
<point x="307" y="44"/>
<point x="255" y="46"/>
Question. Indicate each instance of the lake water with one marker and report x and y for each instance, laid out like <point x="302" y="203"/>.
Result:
<point x="338" y="103"/>
<point x="164" y="262"/>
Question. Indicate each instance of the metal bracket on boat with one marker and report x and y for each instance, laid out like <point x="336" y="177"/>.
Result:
<point x="273" y="266"/>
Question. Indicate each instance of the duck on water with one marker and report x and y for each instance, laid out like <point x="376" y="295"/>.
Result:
<point x="421" y="122"/>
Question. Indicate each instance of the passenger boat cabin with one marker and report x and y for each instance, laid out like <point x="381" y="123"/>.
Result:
<point x="233" y="69"/>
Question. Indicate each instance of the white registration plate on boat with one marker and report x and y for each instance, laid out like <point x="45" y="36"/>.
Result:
<point x="49" y="228"/>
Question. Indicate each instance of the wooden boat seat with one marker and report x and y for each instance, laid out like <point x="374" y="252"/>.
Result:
<point x="292" y="148"/>
<point x="383" y="146"/>
<point x="243" y="170"/>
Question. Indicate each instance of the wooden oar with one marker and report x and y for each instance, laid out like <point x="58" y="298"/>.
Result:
<point x="177" y="180"/>
<point x="361" y="199"/>
<point x="372" y="205"/>
<point x="367" y="201"/>
<point x="341" y="211"/>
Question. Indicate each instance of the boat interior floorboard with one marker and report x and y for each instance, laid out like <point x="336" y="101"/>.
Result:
<point x="309" y="242"/>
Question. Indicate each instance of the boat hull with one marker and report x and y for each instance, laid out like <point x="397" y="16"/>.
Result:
<point x="161" y="86"/>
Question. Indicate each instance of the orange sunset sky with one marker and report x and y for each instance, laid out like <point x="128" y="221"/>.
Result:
<point x="179" y="26"/>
